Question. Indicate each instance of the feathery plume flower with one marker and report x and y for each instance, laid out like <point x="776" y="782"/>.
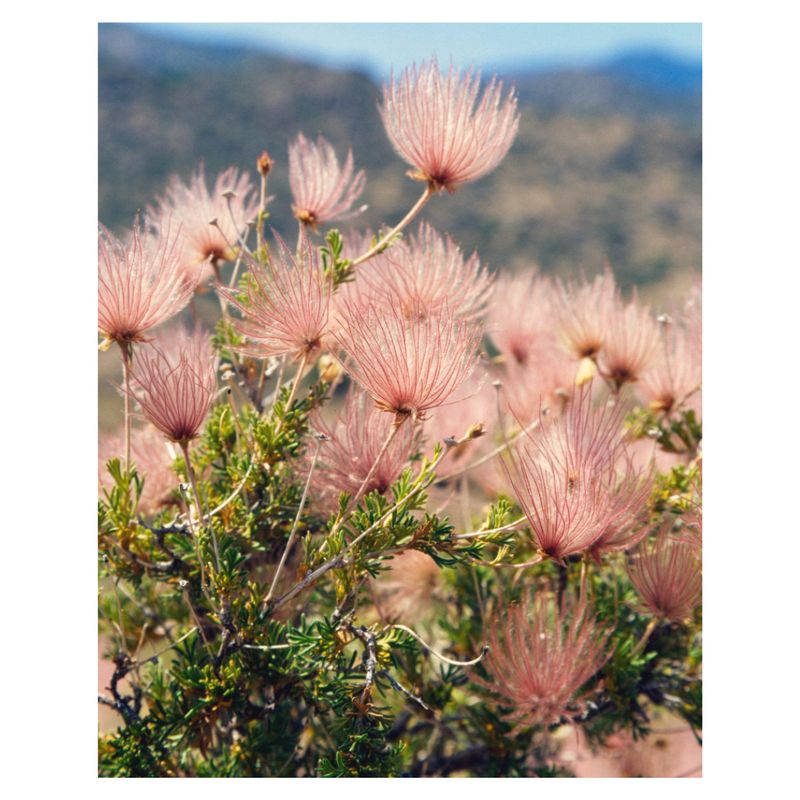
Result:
<point x="630" y="343"/>
<point x="322" y="190"/>
<point x="286" y="303"/>
<point x="436" y="124"/>
<point x="667" y="576"/>
<point x="564" y="476"/>
<point x="627" y="496"/>
<point x="356" y="439"/>
<point x="675" y="377"/>
<point x="175" y="390"/>
<point x="583" y="315"/>
<point x="540" y="657"/>
<point x="195" y="207"/>
<point x="407" y="591"/>
<point x="427" y="271"/>
<point x="522" y="316"/>
<point x="408" y="366"/>
<point x="140" y="284"/>
<point x="153" y="464"/>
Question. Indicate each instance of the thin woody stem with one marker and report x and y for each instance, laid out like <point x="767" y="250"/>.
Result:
<point x="640" y="645"/>
<point x="196" y="494"/>
<point x="262" y="205"/>
<point x="361" y="489"/>
<point x="483" y="459"/>
<point x="339" y="560"/>
<point x="293" y="532"/>
<point x="295" y="384"/>
<point x="415" y="209"/>
<point x="509" y="527"/>
<point x="445" y="659"/>
<point x="125" y="347"/>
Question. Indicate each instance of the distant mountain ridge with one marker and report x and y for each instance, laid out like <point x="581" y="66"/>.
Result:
<point x="606" y="166"/>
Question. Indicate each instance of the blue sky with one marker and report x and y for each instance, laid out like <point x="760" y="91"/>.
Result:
<point x="377" y="47"/>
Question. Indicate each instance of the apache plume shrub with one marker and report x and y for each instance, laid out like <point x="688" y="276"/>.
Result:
<point x="395" y="515"/>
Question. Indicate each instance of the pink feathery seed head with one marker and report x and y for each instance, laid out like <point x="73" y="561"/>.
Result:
<point x="544" y="381"/>
<point x="563" y="475"/>
<point x="583" y="314"/>
<point x="675" y="374"/>
<point x="175" y="389"/>
<point x="322" y="190"/>
<point x="408" y="366"/>
<point x="437" y="124"/>
<point x="667" y="575"/>
<point x="286" y="304"/>
<point x="153" y="463"/>
<point x="540" y="656"/>
<point x="521" y="316"/>
<point x="426" y="271"/>
<point x="627" y="498"/>
<point x="230" y="205"/>
<point x="407" y="591"/>
<point x="355" y="439"/>
<point x="631" y="342"/>
<point x="141" y="282"/>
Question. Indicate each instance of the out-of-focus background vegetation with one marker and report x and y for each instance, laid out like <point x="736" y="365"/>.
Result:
<point x="606" y="167"/>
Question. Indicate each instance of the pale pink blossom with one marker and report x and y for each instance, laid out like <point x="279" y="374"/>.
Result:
<point x="426" y="271"/>
<point x="407" y="591"/>
<point x="564" y="476"/>
<point x="355" y="439"/>
<point x="675" y="377"/>
<point x="408" y="366"/>
<point x="175" y="390"/>
<point x="583" y="314"/>
<point x="667" y="575"/>
<point x="195" y="208"/>
<point x="141" y="283"/>
<point x="540" y="656"/>
<point x="286" y="303"/>
<point x="627" y="498"/>
<point x="322" y="190"/>
<point x="543" y="383"/>
<point x="437" y="124"/>
<point x="522" y="316"/>
<point x="630" y="342"/>
<point x="153" y="464"/>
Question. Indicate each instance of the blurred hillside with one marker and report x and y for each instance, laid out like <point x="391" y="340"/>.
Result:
<point x="606" y="166"/>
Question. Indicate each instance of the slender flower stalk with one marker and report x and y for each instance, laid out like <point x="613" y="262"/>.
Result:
<point x="322" y="190"/>
<point x="387" y="238"/>
<point x="293" y="532"/>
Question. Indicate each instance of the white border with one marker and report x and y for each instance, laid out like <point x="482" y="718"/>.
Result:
<point x="751" y="263"/>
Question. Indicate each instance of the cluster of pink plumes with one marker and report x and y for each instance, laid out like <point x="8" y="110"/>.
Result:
<point x="541" y="372"/>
